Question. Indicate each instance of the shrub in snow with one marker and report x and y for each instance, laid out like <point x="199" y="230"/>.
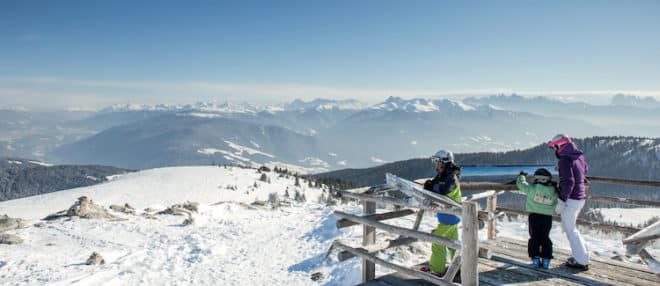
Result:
<point x="263" y="178"/>
<point x="95" y="259"/>
<point x="274" y="200"/>
<point x="6" y="238"/>
<point x="264" y="169"/>
<point x="297" y="184"/>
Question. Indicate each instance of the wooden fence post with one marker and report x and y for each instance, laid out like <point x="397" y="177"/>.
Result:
<point x="492" y="227"/>
<point x="470" y="245"/>
<point x="368" y="238"/>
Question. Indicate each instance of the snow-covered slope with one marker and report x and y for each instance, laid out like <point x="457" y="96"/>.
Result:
<point x="229" y="244"/>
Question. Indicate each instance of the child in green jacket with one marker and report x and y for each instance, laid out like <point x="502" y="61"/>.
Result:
<point x="541" y="201"/>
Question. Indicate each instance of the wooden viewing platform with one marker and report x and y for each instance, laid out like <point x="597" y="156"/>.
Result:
<point x="490" y="261"/>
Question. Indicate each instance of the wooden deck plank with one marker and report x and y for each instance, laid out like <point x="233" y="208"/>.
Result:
<point x="601" y="269"/>
<point x="510" y="266"/>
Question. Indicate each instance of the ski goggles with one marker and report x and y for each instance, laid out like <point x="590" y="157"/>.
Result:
<point x="436" y="160"/>
<point x="559" y="142"/>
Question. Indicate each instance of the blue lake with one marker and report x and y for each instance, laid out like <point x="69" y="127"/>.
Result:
<point x="501" y="170"/>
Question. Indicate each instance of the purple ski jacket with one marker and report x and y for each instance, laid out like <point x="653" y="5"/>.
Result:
<point x="573" y="169"/>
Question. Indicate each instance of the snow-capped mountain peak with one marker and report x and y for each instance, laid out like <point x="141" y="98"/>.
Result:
<point x="421" y="105"/>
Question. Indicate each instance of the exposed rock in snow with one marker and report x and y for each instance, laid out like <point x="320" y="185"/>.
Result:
<point x="126" y="208"/>
<point x="6" y="238"/>
<point x="7" y="223"/>
<point x="84" y="208"/>
<point x="95" y="259"/>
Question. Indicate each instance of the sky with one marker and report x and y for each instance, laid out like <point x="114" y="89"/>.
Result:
<point x="90" y="54"/>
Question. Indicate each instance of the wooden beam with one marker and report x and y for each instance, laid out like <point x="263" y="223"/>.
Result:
<point x="452" y="269"/>
<point x="653" y="264"/>
<point x="470" y="243"/>
<point x="342" y="223"/>
<point x="368" y="238"/>
<point x="418" y="220"/>
<point x="482" y="195"/>
<point x="415" y="190"/>
<point x="636" y="242"/>
<point x="345" y="255"/>
<point x="399" y="202"/>
<point x="598" y="225"/>
<point x="455" y="244"/>
<point x="414" y="273"/>
<point x="624" y="181"/>
<point x="623" y="201"/>
<point x="478" y="186"/>
<point x="492" y="222"/>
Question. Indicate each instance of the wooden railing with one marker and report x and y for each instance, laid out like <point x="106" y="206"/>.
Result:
<point x="417" y="201"/>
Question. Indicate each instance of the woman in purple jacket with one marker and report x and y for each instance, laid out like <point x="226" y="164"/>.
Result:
<point x="572" y="172"/>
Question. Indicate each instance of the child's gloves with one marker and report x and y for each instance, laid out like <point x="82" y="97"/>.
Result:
<point x="523" y="173"/>
<point x="561" y="205"/>
<point x="428" y="185"/>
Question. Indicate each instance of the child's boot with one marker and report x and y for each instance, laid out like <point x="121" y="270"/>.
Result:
<point x="536" y="262"/>
<point x="546" y="263"/>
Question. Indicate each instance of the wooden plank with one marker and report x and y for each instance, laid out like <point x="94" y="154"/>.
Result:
<point x="622" y="201"/>
<point x="418" y="220"/>
<point x="470" y="242"/>
<point x="482" y="195"/>
<point x="414" y="273"/>
<point x="452" y="269"/>
<point x="399" y="202"/>
<point x="403" y="231"/>
<point x="345" y="255"/>
<point x="615" y="272"/>
<point x="342" y="223"/>
<point x="416" y="191"/>
<point x="492" y="222"/>
<point x="649" y="232"/>
<point x="653" y="264"/>
<point x="624" y="181"/>
<point x="597" y="225"/>
<point x="368" y="238"/>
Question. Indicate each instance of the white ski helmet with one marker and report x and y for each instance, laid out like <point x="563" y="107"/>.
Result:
<point x="444" y="156"/>
<point x="559" y="140"/>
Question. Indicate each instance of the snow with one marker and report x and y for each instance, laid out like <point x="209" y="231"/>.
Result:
<point x="14" y="162"/>
<point x="255" y="144"/>
<point x="378" y="160"/>
<point x="240" y="149"/>
<point x="316" y="162"/>
<point x="342" y="163"/>
<point x="628" y="216"/>
<point x="41" y="163"/>
<point x="229" y="244"/>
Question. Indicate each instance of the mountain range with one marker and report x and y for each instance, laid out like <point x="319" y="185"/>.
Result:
<point x="313" y="136"/>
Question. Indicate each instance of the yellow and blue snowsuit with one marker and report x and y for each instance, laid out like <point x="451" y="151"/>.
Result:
<point x="446" y="184"/>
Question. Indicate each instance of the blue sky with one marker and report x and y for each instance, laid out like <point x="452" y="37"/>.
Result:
<point x="95" y="53"/>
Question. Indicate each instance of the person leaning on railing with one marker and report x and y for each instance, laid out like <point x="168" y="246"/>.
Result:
<point x="573" y="170"/>
<point x="446" y="183"/>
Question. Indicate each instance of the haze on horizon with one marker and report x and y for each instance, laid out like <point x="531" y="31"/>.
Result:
<point x="58" y="55"/>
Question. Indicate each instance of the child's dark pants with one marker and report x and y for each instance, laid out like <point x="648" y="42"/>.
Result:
<point x="539" y="244"/>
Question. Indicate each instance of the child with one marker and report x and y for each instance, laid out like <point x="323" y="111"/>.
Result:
<point x="541" y="201"/>
<point x="446" y="183"/>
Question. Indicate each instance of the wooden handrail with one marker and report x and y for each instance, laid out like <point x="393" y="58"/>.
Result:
<point x="623" y="229"/>
<point x="455" y="244"/>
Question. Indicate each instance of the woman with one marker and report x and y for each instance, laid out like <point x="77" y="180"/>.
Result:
<point x="572" y="173"/>
<point x="446" y="183"/>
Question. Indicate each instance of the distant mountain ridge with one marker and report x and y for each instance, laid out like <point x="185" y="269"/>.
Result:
<point x="21" y="178"/>
<point x="617" y="157"/>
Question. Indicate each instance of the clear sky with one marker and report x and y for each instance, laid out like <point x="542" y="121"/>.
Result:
<point x="95" y="53"/>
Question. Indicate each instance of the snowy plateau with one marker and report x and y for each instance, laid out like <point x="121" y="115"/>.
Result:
<point x="233" y="240"/>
